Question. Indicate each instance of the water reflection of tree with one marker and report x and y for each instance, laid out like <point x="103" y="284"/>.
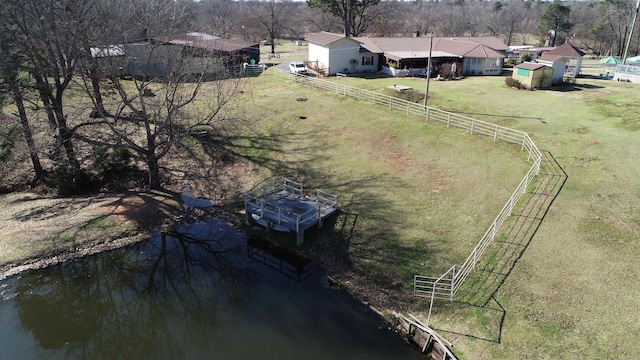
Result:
<point x="145" y="301"/>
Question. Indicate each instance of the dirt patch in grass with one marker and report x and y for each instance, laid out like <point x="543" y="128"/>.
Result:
<point x="36" y="231"/>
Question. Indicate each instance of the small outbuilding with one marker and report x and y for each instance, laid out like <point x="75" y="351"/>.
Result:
<point x="572" y="57"/>
<point x="533" y="75"/>
<point x="559" y="65"/>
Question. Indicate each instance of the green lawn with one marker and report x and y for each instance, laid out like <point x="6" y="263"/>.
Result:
<point x="417" y="196"/>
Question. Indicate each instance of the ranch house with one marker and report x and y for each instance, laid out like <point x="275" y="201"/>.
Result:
<point x="331" y="53"/>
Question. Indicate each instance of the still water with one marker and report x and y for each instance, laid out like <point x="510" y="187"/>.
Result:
<point x="204" y="292"/>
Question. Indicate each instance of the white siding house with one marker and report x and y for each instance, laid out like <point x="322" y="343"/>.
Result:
<point x="406" y="56"/>
<point x="558" y="63"/>
<point x="332" y="53"/>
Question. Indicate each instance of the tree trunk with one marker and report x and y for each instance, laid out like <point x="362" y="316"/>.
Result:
<point x="55" y="113"/>
<point x="66" y="137"/>
<point x="154" y="170"/>
<point x="95" y="84"/>
<point x="42" y="87"/>
<point x="28" y="134"/>
<point x="347" y="23"/>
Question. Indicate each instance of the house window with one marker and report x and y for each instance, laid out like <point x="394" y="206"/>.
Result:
<point x="473" y="66"/>
<point x="493" y="64"/>
<point x="523" y="72"/>
<point x="367" y="60"/>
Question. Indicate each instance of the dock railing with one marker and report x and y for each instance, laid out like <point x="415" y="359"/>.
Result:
<point x="445" y="286"/>
<point x="263" y="201"/>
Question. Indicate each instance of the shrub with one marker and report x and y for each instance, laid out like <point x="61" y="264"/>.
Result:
<point x="108" y="163"/>
<point x="511" y="82"/>
<point x="7" y="142"/>
<point x="526" y="57"/>
<point x="67" y="181"/>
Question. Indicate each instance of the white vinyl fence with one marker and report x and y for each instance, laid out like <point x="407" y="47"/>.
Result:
<point x="445" y="286"/>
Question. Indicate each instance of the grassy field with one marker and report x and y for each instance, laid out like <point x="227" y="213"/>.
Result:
<point x="416" y="197"/>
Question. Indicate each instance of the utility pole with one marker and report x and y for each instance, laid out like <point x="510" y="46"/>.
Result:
<point x="633" y="24"/>
<point x="428" y="72"/>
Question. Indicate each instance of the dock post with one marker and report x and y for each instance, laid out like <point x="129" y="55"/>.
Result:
<point x="300" y="238"/>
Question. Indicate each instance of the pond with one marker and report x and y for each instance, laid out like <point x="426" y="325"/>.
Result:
<point x="202" y="292"/>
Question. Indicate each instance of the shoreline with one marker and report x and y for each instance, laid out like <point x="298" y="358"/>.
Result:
<point x="15" y="268"/>
<point x="345" y="279"/>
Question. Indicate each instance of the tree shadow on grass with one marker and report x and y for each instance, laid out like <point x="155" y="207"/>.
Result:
<point x="477" y="295"/>
<point x="226" y="161"/>
<point x="359" y="245"/>
<point x="133" y="205"/>
<point x="58" y="229"/>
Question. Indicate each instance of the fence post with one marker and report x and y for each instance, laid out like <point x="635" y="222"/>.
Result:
<point x="448" y="119"/>
<point x="453" y="283"/>
<point x="407" y="108"/>
<point x="473" y="125"/>
<point x="433" y="293"/>
<point x="495" y="135"/>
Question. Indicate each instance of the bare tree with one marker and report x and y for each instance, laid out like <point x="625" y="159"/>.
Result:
<point x="528" y="26"/>
<point x="608" y="25"/>
<point x="346" y="10"/>
<point x="10" y="64"/>
<point x="44" y="30"/>
<point x="319" y="20"/>
<point x="512" y="16"/>
<point x="153" y="114"/>
<point x="381" y="17"/>
<point x="272" y="15"/>
<point x="219" y="17"/>
<point x="453" y="19"/>
<point x="420" y="16"/>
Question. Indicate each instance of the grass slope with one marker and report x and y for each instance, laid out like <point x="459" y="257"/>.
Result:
<point x="424" y="194"/>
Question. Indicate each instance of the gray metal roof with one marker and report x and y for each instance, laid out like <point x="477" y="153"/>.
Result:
<point x="530" y="66"/>
<point x="567" y="50"/>
<point x="416" y="47"/>
<point x="325" y="38"/>
<point x="207" y="42"/>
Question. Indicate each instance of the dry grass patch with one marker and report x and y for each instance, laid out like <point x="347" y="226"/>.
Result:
<point x="35" y="228"/>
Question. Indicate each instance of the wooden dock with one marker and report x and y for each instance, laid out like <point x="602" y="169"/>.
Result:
<point x="283" y="206"/>
<point x="426" y="338"/>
